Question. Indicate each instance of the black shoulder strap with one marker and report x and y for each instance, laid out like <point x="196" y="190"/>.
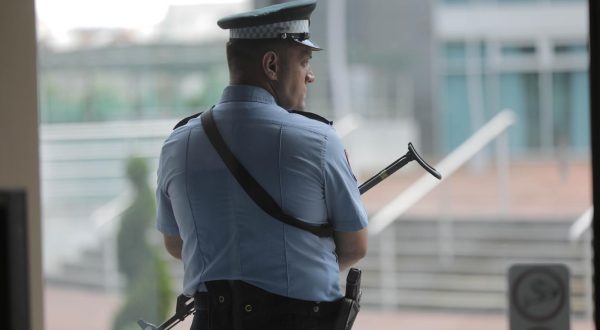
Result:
<point x="258" y="194"/>
<point x="313" y="116"/>
<point x="186" y="119"/>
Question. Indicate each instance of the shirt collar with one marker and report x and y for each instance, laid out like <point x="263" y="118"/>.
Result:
<point x="246" y="93"/>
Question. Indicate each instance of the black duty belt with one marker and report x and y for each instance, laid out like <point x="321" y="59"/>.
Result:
<point x="201" y="301"/>
<point x="248" y="298"/>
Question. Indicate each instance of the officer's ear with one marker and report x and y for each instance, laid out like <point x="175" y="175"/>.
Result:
<point x="270" y="65"/>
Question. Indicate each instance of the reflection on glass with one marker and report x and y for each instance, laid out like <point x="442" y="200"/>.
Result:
<point x="433" y="73"/>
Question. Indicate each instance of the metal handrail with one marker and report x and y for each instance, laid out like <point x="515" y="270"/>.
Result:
<point x="347" y="124"/>
<point x="579" y="231"/>
<point x="104" y="220"/>
<point x="581" y="225"/>
<point x="103" y="216"/>
<point x="409" y="197"/>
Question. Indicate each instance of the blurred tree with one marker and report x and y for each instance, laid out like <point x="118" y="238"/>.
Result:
<point x="104" y="101"/>
<point x="59" y="102"/>
<point x="209" y="93"/>
<point x="148" y="291"/>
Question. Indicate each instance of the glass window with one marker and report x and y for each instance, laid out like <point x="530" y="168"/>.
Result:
<point x="455" y="51"/>
<point x="518" y="50"/>
<point x="517" y="1"/>
<point x="109" y="95"/>
<point x="571" y="111"/>
<point x="452" y="2"/>
<point x="457" y="126"/>
<point x="571" y="49"/>
<point x="520" y="93"/>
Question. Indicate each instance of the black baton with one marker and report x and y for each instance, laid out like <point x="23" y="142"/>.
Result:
<point x="185" y="305"/>
<point x="396" y="165"/>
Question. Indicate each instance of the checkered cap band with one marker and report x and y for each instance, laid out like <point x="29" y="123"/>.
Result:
<point x="269" y="31"/>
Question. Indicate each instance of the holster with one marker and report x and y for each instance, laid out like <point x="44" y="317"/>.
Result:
<point x="348" y="310"/>
<point x="350" y="304"/>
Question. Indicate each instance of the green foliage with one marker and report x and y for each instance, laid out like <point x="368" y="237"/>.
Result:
<point x="148" y="283"/>
<point x="58" y="103"/>
<point x="209" y="95"/>
<point x="148" y="297"/>
<point x="104" y="100"/>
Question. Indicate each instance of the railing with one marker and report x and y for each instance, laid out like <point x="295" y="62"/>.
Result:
<point x="105" y="224"/>
<point x="493" y="130"/>
<point x="581" y="225"/>
<point x="580" y="231"/>
<point x="347" y="124"/>
<point x="83" y="162"/>
<point x="480" y="139"/>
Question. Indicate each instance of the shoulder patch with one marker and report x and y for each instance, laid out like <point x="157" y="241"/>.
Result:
<point x="313" y="116"/>
<point x="185" y="120"/>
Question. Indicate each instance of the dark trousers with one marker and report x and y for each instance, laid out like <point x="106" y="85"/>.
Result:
<point x="235" y="305"/>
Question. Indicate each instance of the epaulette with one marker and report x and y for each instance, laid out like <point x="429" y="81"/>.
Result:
<point x="309" y="115"/>
<point x="313" y="116"/>
<point x="185" y="120"/>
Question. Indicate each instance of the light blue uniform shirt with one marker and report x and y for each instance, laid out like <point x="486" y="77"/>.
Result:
<point x="299" y="161"/>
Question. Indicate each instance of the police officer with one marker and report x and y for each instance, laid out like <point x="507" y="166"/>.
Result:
<point x="246" y="269"/>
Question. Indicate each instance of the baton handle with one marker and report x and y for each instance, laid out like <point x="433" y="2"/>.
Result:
<point x="383" y="174"/>
<point x="396" y="165"/>
<point x="422" y="162"/>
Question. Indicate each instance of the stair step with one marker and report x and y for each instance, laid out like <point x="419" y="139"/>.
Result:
<point x="466" y="265"/>
<point x="487" y="249"/>
<point x="429" y="281"/>
<point x="473" y="277"/>
<point x="87" y="266"/>
<point x="447" y="300"/>
<point x="509" y="235"/>
<point x="96" y="253"/>
<point x="451" y="282"/>
<point x="435" y="299"/>
<point x="86" y="279"/>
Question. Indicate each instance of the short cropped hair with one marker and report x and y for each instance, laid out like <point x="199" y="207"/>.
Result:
<point x="246" y="53"/>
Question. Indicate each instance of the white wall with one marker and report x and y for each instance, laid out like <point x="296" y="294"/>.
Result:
<point x="512" y="22"/>
<point x="19" y="164"/>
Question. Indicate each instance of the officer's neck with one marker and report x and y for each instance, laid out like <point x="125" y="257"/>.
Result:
<point x="241" y="79"/>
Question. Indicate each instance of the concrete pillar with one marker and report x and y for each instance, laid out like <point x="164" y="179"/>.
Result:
<point x="19" y="156"/>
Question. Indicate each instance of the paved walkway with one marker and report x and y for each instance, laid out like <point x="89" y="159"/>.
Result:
<point x="538" y="190"/>
<point x="541" y="190"/>
<point x="68" y="309"/>
<point x="380" y="320"/>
